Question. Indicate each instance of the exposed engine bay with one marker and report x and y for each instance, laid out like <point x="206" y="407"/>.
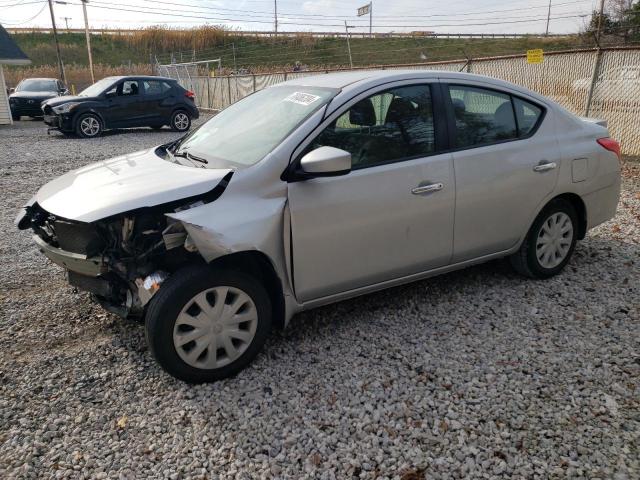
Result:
<point x="123" y="259"/>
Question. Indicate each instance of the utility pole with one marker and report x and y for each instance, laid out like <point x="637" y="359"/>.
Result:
<point x="548" y="18"/>
<point x="66" y="22"/>
<point x="86" y="32"/>
<point x="55" y="37"/>
<point x="275" y="15"/>
<point x="600" y="21"/>
<point x="346" y="29"/>
<point x="370" y="19"/>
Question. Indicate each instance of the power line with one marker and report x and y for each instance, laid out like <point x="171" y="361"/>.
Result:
<point x="44" y="5"/>
<point x="226" y="20"/>
<point x="338" y="17"/>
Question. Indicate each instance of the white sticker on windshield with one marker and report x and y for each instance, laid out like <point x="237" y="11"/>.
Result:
<point x="302" y="98"/>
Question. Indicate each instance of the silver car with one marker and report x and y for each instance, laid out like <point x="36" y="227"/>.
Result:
<point x="321" y="189"/>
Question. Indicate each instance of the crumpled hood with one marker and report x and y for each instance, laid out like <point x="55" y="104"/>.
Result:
<point x="54" y="102"/>
<point x="137" y="180"/>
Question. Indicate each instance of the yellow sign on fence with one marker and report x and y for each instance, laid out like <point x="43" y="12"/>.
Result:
<point x="535" y="56"/>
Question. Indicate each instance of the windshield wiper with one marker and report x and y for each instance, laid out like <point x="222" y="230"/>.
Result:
<point x="190" y="156"/>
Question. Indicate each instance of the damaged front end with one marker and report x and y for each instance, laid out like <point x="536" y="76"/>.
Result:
<point x="121" y="260"/>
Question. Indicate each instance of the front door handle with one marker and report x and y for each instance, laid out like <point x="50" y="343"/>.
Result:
<point x="544" y="166"/>
<point x="434" y="187"/>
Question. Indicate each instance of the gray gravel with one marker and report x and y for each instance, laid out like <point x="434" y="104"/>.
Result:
<point x="475" y="374"/>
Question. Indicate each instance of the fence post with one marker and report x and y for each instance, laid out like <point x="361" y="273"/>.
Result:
<point x="285" y="76"/>
<point x="594" y="79"/>
<point x="208" y="91"/>
<point x="254" y="82"/>
<point x="229" y="89"/>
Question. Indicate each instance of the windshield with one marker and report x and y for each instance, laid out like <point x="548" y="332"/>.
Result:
<point x="98" y="87"/>
<point x="37" y="86"/>
<point x="244" y="133"/>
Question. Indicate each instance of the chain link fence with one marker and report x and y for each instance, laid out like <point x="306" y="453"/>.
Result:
<point x="602" y="83"/>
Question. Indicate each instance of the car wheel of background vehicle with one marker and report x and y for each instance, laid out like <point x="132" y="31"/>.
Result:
<point x="550" y="241"/>
<point x="88" y="125"/>
<point x="205" y="325"/>
<point x="15" y="118"/>
<point x="180" y="121"/>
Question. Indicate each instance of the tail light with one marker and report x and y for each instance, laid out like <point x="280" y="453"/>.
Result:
<point x="189" y="94"/>
<point x="611" y="145"/>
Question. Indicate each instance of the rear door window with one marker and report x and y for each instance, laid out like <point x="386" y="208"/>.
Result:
<point x="527" y="115"/>
<point x="482" y="116"/>
<point x="155" y="87"/>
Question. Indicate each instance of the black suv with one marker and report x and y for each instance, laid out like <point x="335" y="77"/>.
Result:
<point x="122" y="102"/>
<point x="27" y="97"/>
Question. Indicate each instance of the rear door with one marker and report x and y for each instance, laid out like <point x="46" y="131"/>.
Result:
<point x="392" y="215"/>
<point x="158" y="101"/>
<point x="506" y="160"/>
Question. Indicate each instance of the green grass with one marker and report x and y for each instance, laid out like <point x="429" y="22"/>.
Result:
<point x="263" y="53"/>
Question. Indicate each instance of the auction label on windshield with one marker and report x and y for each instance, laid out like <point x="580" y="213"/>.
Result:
<point x="302" y="98"/>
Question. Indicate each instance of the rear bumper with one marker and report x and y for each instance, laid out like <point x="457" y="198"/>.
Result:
<point x="602" y="204"/>
<point x="76" y="262"/>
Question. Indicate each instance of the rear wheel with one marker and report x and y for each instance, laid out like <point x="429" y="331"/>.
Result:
<point x="550" y="242"/>
<point x="15" y="117"/>
<point x="180" y="121"/>
<point x="206" y="325"/>
<point x="89" y="125"/>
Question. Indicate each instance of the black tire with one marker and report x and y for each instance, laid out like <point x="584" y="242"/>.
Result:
<point x="176" y="293"/>
<point x="83" y="132"/>
<point x="180" y="121"/>
<point x="15" y="118"/>
<point x="525" y="261"/>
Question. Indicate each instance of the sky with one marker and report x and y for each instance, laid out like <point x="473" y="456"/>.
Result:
<point x="449" y="16"/>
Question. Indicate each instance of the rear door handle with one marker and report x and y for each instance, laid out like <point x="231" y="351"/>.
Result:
<point x="434" y="187"/>
<point x="544" y="166"/>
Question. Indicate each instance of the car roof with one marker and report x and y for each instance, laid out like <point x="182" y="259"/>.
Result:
<point x="341" y="80"/>
<point x="143" y="77"/>
<point x="39" y="78"/>
<point x="354" y="81"/>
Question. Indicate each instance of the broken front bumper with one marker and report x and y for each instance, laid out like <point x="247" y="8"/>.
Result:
<point x="60" y="122"/>
<point x="76" y="262"/>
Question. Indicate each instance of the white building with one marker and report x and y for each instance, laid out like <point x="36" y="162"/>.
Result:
<point x="10" y="54"/>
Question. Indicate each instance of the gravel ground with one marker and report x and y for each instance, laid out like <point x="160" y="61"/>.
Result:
<point x="475" y="374"/>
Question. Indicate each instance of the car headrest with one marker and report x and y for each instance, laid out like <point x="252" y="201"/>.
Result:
<point x="458" y="106"/>
<point x="399" y="108"/>
<point x="363" y="114"/>
<point x="504" y="115"/>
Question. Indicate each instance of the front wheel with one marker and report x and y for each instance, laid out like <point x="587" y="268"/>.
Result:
<point x="205" y="325"/>
<point x="550" y="241"/>
<point x="15" y="118"/>
<point x="180" y="121"/>
<point x="89" y="125"/>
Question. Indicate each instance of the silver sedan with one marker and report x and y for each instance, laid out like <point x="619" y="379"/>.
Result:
<point x="321" y="189"/>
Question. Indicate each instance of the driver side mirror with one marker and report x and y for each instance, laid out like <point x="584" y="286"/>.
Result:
<point x="326" y="162"/>
<point x="12" y="90"/>
<point x="111" y="93"/>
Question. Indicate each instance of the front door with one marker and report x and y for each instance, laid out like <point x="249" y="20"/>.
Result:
<point x="123" y="107"/>
<point x="392" y="215"/>
<point x="506" y="163"/>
